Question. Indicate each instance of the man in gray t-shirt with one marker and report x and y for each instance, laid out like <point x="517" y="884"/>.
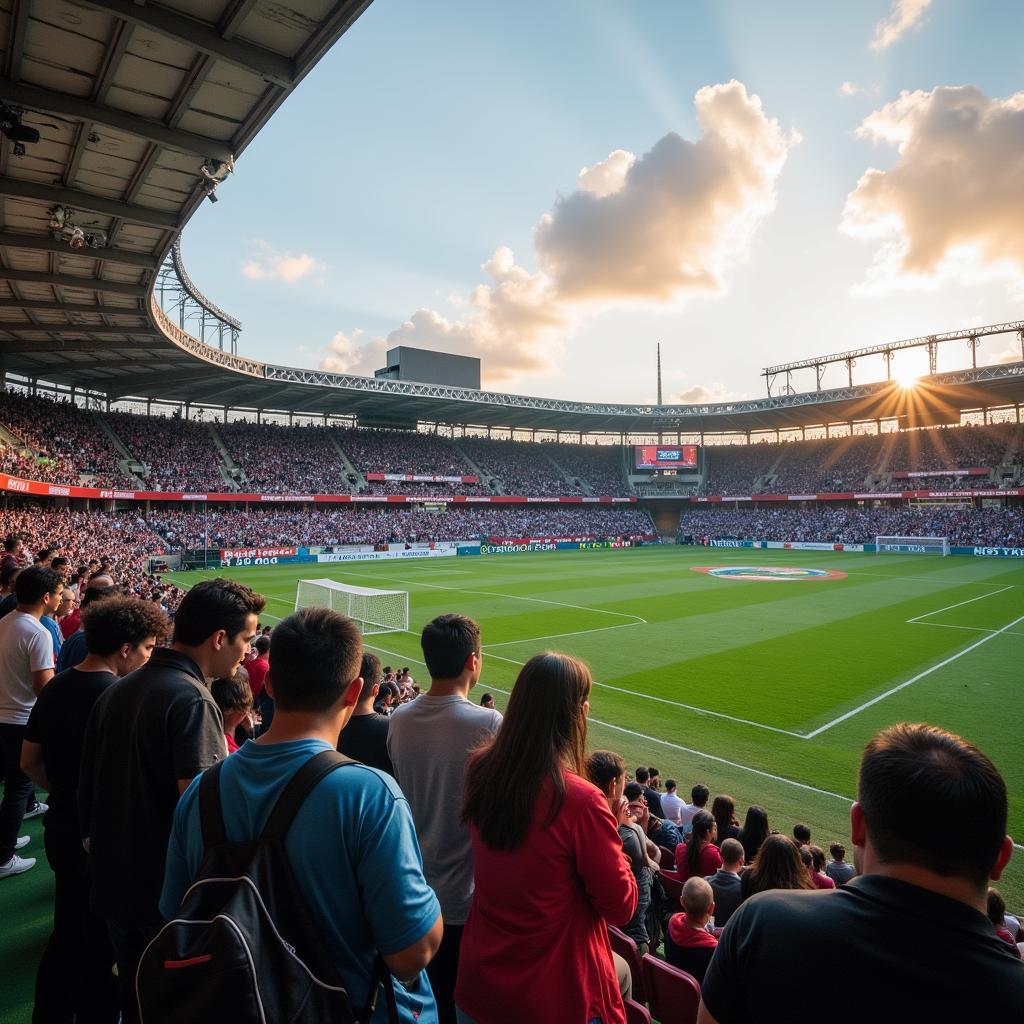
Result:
<point x="429" y="741"/>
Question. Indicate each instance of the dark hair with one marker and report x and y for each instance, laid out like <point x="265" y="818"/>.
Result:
<point x="703" y="823"/>
<point x="121" y="620"/>
<point x="699" y="795"/>
<point x="633" y="791"/>
<point x="11" y="542"/>
<point x="652" y="772"/>
<point x="10" y="570"/>
<point x="801" y="833"/>
<point x="484" y="698"/>
<point x="233" y="694"/>
<point x="94" y="593"/>
<point x="641" y="774"/>
<point x="723" y="810"/>
<point x="35" y="583"/>
<point x="818" y="854"/>
<point x="43" y="553"/>
<point x="370" y="671"/>
<point x="447" y="643"/>
<point x="314" y="655"/>
<point x="837" y="850"/>
<point x="996" y="908"/>
<point x="914" y="780"/>
<point x="670" y="784"/>
<point x="778" y="866"/>
<point x="212" y="605"/>
<point x="754" y="832"/>
<point x="604" y="766"/>
<point x="543" y="734"/>
<point x="261" y="644"/>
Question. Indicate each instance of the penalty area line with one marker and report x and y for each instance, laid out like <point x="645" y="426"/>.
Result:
<point x="909" y="682"/>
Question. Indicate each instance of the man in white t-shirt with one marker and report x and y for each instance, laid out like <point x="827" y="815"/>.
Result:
<point x="670" y="802"/>
<point x="429" y="741"/>
<point x="699" y="796"/>
<point x="26" y="666"/>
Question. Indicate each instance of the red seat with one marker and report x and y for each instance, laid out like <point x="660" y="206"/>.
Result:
<point x="636" y="1014"/>
<point x="673" y="995"/>
<point x="672" y="886"/>
<point x="668" y="859"/>
<point x="626" y="948"/>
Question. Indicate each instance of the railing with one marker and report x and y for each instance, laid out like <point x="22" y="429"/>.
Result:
<point x="208" y="353"/>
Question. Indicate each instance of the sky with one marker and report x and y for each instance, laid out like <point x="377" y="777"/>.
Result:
<point x="556" y="188"/>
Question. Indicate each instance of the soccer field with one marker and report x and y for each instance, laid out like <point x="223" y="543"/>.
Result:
<point x="765" y="689"/>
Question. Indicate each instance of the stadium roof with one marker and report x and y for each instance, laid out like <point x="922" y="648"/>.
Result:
<point x="140" y="109"/>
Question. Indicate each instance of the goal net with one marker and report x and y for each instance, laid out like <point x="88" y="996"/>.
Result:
<point x="912" y="545"/>
<point x="376" y="611"/>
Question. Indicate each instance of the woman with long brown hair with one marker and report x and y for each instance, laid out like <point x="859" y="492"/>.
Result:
<point x="778" y="866"/>
<point x="549" y="867"/>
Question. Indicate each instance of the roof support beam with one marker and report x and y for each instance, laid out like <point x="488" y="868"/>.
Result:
<point x="268" y="65"/>
<point x="233" y="17"/>
<point x="70" y="308"/>
<point x="84" y="110"/>
<point x="103" y="330"/>
<point x="16" y="40"/>
<point x="154" y="382"/>
<point x="89" y="284"/>
<point x="19" y="188"/>
<point x="30" y="347"/>
<point x="42" y="243"/>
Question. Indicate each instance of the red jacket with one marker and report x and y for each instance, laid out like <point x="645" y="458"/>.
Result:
<point x="535" y="948"/>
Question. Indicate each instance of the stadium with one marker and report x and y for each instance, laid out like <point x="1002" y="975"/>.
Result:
<point x="758" y="585"/>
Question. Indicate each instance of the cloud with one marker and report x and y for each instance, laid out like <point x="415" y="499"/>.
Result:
<point x="268" y="264"/>
<point x="905" y="14"/>
<point x="849" y="89"/>
<point x="952" y="206"/>
<point x="700" y="395"/>
<point x="651" y="229"/>
<point x="683" y="214"/>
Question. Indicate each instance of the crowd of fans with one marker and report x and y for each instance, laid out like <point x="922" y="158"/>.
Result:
<point x="367" y="524"/>
<point x="522" y="467"/>
<point x="1003" y="526"/>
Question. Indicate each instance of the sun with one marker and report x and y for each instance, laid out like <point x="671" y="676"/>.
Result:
<point x="907" y="381"/>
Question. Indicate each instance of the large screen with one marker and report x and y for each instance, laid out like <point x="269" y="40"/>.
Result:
<point x="665" y="456"/>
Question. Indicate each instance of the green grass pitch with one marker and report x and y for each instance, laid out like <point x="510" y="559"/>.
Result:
<point x="760" y="689"/>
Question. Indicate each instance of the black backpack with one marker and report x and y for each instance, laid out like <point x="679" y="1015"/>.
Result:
<point x="243" y="946"/>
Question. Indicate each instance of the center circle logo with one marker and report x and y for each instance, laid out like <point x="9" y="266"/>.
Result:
<point x="767" y="573"/>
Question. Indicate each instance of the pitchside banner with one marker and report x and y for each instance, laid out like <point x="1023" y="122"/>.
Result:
<point x="519" y="547"/>
<point x="373" y="556"/>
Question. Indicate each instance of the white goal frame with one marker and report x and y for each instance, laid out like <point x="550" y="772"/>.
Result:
<point x="912" y="545"/>
<point x="375" y="611"/>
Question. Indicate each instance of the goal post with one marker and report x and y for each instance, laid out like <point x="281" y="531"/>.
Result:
<point x="912" y="545"/>
<point x="375" y="611"/>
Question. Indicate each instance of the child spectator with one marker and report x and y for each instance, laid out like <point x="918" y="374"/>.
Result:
<point x="234" y="698"/>
<point x="838" y="870"/>
<point x="814" y="860"/>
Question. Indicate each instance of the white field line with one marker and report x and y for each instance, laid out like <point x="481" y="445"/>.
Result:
<point x="959" y="604"/>
<point x="555" y="636"/>
<point x="972" y="629"/>
<point x="491" y="593"/>
<point x="902" y="686"/>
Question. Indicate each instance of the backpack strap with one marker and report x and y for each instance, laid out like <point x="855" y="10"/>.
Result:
<point x="298" y="788"/>
<point x="211" y="816"/>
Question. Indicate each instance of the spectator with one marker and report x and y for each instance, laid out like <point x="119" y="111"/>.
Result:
<point x="809" y="859"/>
<point x="916" y="874"/>
<point x="148" y="736"/>
<point x="699" y="796"/>
<point x="723" y="810"/>
<point x="549" y="864"/>
<point x="670" y="802"/>
<point x="725" y="882"/>
<point x="351" y="845"/>
<point x="14" y="552"/>
<point x="258" y="669"/>
<point x="233" y="695"/>
<point x="75" y="980"/>
<point x="801" y="834"/>
<point x="699" y="855"/>
<point x="429" y="742"/>
<point x="837" y="869"/>
<point x="73" y="649"/>
<point x="651" y="795"/>
<point x="487" y="701"/>
<point x="778" y="866"/>
<point x="995" y="908"/>
<point x="642" y="926"/>
<point x="365" y="737"/>
<point x="754" y="832"/>
<point x="26" y="666"/>
<point x="7" y="578"/>
<point x="689" y="945"/>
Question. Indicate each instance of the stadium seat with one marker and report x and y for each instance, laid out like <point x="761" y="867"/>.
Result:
<point x="673" y="995"/>
<point x="672" y="886"/>
<point x="636" y="1014"/>
<point x="626" y="948"/>
<point x="668" y="859"/>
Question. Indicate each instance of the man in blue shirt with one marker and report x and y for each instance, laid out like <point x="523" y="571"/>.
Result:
<point x="352" y="846"/>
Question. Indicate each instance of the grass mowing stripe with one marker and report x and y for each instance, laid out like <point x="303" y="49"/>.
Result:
<point x="959" y="604"/>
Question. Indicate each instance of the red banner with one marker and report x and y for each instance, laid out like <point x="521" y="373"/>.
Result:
<point x="258" y="552"/>
<point x="413" y="478"/>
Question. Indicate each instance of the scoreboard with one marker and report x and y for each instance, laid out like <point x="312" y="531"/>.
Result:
<point x="665" y="456"/>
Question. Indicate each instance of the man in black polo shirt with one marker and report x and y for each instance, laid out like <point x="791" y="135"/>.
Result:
<point x="929" y="830"/>
<point x="74" y="979"/>
<point x="365" y="737"/>
<point x="651" y="795"/>
<point x="148" y="736"/>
